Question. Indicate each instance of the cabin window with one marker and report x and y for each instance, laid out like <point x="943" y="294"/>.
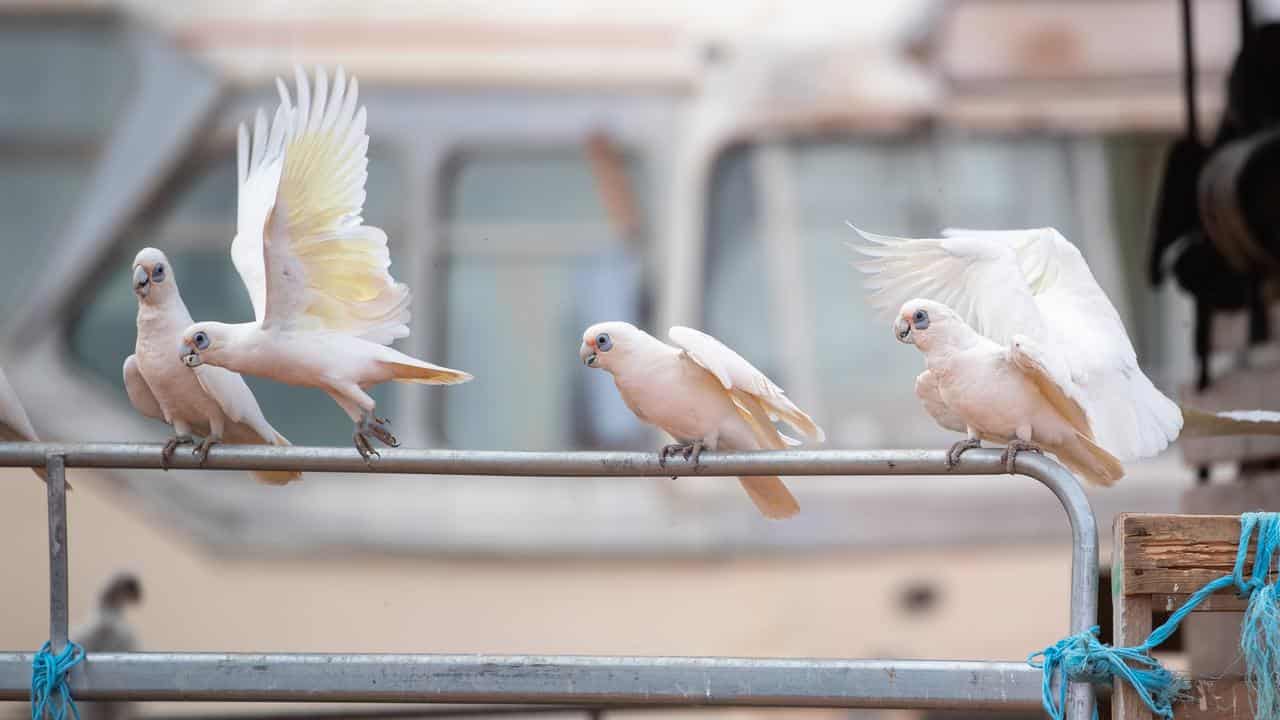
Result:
<point x="535" y="255"/>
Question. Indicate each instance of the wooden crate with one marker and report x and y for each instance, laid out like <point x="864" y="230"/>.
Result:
<point x="1159" y="561"/>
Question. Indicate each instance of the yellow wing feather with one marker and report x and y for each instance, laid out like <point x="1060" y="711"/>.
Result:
<point x="324" y="268"/>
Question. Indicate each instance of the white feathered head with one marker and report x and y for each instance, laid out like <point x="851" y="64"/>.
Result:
<point x="924" y="323"/>
<point x="153" y="279"/>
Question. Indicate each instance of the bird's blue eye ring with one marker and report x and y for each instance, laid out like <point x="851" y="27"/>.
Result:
<point x="201" y="341"/>
<point x="603" y="343"/>
<point x="920" y="319"/>
<point x="157" y="273"/>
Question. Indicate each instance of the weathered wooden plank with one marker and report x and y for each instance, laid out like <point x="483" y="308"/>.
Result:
<point x="1220" y="699"/>
<point x="1131" y="624"/>
<point x="1175" y="554"/>
<point x="1159" y="561"/>
<point x="1211" y="638"/>
<point x="1223" y="602"/>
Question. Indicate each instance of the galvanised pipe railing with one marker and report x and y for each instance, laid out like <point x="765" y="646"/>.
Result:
<point x="597" y="681"/>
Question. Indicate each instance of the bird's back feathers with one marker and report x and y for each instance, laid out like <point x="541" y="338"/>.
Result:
<point x="741" y="377"/>
<point x="759" y="403"/>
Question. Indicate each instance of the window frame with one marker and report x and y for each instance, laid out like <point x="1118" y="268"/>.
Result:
<point x="451" y="169"/>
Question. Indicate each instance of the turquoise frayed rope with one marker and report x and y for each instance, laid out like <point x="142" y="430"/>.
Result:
<point x="49" y="678"/>
<point x="1084" y="658"/>
<point x="1260" y="631"/>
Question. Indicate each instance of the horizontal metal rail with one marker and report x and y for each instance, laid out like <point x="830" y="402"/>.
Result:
<point x="559" y="680"/>
<point x="433" y="711"/>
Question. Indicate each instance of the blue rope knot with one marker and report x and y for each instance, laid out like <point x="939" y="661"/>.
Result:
<point x="49" y="677"/>
<point x="1084" y="658"/>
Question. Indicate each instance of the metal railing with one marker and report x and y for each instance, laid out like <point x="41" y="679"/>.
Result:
<point x="595" y="681"/>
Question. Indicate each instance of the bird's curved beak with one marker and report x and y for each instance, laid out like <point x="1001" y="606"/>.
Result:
<point x="189" y="356"/>
<point x="587" y="352"/>
<point x="141" y="281"/>
<point x="902" y="330"/>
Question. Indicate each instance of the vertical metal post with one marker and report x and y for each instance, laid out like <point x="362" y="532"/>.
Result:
<point x="1084" y="561"/>
<point x="56" y="482"/>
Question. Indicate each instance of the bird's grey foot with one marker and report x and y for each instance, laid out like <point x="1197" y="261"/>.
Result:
<point x="693" y="450"/>
<point x="1014" y="447"/>
<point x="673" y="449"/>
<point x="960" y="448"/>
<point x="364" y="446"/>
<point x="371" y="424"/>
<point x="170" y="447"/>
<point x="201" y="451"/>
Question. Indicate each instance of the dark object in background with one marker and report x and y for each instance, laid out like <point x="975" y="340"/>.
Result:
<point x="1238" y="202"/>
<point x="1176" y="210"/>
<point x="108" y="631"/>
<point x="1217" y="223"/>
<point x="1238" y="190"/>
<point x="919" y="597"/>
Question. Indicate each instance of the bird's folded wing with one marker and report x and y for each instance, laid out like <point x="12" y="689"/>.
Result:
<point x="302" y="248"/>
<point x="248" y="425"/>
<point x="929" y="395"/>
<point x="753" y="412"/>
<point x="140" y="395"/>
<point x="14" y="423"/>
<point x="235" y="398"/>
<point x="1052" y="380"/>
<point x="737" y="375"/>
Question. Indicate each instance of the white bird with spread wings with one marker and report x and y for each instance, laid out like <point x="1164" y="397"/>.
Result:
<point x="324" y="301"/>
<point x="1030" y="295"/>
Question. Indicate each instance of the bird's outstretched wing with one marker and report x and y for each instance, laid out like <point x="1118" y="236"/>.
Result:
<point x="1034" y="283"/>
<point x="301" y="247"/>
<point x="742" y="379"/>
<point x="981" y="280"/>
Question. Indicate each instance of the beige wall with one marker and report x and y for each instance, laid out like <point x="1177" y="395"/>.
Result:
<point x="997" y="603"/>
